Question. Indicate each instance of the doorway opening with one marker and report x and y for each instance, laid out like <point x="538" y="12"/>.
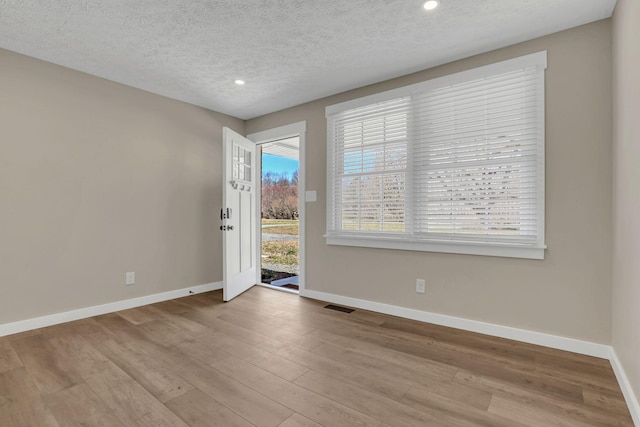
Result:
<point x="280" y="214"/>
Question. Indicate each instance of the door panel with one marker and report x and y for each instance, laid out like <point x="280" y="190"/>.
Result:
<point x="238" y="214"/>
<point x="246" y="230"/>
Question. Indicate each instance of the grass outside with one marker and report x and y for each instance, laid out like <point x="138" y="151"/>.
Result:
<point x="266" y="221"/>
<point x="280" y="251"/>
<point x="280" y="226"/>
<point x="291" y="230"/>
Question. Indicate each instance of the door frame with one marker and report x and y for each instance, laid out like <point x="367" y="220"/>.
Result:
<point x="298" y="129"/>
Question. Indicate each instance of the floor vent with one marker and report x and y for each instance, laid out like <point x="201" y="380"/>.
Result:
<point x="338" y="308"/>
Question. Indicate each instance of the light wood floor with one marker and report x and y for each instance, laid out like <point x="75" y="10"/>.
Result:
<point x="270" y="359"/>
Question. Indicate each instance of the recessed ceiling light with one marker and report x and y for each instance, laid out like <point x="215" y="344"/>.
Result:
<point x="239" y="82"/>
<point x="431" y="4"/>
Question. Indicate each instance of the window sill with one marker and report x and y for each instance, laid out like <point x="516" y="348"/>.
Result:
<point x="467" y="248"/>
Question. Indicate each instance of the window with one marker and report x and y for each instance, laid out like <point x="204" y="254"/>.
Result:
<point x="241" y="163"/>
<point x="454" y="164"/>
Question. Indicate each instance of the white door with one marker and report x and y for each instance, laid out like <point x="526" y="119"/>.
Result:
<point x="238" y="214"/>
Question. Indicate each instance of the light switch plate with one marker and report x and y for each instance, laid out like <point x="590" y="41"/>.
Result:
<point x="311" y="196"/>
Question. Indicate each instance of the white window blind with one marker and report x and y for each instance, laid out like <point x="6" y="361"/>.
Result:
<point x="370" y="167"/>
<point x="454" y="164"/>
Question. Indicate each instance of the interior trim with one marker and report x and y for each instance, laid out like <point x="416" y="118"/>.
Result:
<point x="96" y="310"/>
<point x="562" y="343"/>
<point x="449" y="247"/>
<point x="629" y="396"/>
<point x="539" y="338"/>
<point x="298" y="129"/>
<point x="587" y="348"/>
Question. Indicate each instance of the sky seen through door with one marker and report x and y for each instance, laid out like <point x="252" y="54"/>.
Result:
<point x="278" y="165"/>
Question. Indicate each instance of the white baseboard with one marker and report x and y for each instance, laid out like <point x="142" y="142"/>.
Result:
<point x="96" y="310"/>
<point x="562" y="343"/>
<point x="547" y="340"/>
<point x="538" y="338"/>
<point x="625" y="385"/>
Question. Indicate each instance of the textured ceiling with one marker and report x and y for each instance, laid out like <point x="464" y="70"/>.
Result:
<point x="288" y="51"/>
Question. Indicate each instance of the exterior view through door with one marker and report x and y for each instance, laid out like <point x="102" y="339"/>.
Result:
<point x="280" y="214"/>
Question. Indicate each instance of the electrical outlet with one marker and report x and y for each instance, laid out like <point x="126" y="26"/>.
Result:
<point x="421" y="286"/>
<point x="130" y="278"/>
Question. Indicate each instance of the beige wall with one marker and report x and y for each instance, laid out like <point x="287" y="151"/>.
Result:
<point x="626" y="189"/>
<point x="567" y="294"/>
<point x="97" y="179"/>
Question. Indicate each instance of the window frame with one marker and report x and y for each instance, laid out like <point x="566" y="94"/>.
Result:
<point x="458" y="246"/>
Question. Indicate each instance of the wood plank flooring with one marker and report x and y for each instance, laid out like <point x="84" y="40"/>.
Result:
<point x="270" y="359"/>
